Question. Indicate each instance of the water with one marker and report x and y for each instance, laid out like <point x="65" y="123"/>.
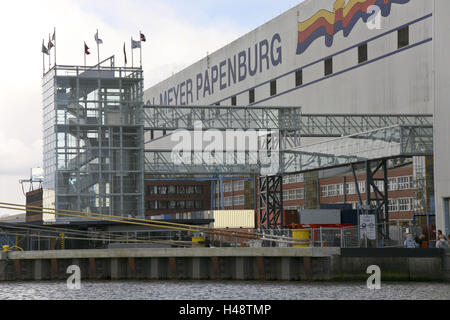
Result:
<point x="189" y="290"/>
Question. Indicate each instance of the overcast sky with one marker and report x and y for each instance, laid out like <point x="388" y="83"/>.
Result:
<point x="179" y="33"/>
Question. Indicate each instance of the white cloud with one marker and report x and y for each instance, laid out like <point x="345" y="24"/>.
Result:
<point x="174" y="42"/>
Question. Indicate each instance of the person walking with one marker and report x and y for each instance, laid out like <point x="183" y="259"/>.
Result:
<point x="423" y="241"/>
<point x="442" y="242"/>
<point x="409" y="242"/>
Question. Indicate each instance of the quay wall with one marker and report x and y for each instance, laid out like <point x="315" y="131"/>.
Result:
<point x="258" y="264"/>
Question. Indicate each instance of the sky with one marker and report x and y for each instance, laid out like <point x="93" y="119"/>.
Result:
<point x="179" y="33"/>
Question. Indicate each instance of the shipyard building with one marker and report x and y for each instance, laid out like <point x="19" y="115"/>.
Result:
<point x="358" y="58"/>
<point x="338" y="57"/>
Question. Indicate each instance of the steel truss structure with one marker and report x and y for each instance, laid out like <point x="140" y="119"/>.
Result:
<point x="369" y="139"/>
<point x="339" y="125"/>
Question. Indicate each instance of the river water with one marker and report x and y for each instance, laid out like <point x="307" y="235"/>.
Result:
<point x="190" y="290"/>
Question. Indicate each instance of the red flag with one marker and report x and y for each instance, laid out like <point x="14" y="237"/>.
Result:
<point x="125" y="53"/>
<point x="143" y="37"/>
<point x="86" y="49"/>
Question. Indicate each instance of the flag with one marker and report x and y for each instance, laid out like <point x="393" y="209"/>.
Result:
<point x="143" y="37"/>
<point x="50" y="43"/>
<point x="86" y="49"/>
<point x="99" y="41"/>
<point x="125" y="53"/>
<point x="135" y="44"/>
<point x="44" y="49"/>
<point x="54" y="35"/>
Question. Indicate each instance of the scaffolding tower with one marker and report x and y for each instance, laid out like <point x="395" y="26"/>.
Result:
<point x="94" y="139"/>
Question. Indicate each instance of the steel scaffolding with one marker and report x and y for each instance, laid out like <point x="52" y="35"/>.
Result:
<point x="93" y="139"/>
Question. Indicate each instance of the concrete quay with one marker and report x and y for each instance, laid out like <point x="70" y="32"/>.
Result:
<point x="261" y="264"/>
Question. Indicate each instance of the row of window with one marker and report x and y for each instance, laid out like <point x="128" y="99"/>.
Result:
<point x="233" y="201"/>
<point x="231" y="186"/>
<point x="183" y="204"/>
<point x="293" y="194"/>
<point x="295" y="178"/>
<point x="402" y="204"/>
<point x="397" y="183"/>
<point x="363" y="56"/>
<point x="174" y="190"/>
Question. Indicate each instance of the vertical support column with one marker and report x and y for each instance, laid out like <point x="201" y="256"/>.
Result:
<point x="239" y="272"/>
<point x="307" y="265"/>
<point x="54" y="269"/>
<point x="215" y="268"/>
<point x="131" y="268"/>
<point x="196" y="268"/>
<point x="92" y="269"/>
<point x="154" y="269"/>
<point x="17" y="269"/>
<point x="37" y="270"/>
<point x="173" y="268"/>
<point x="271" y="201"/>
<point x="115" y="269"/>
<point x="260" y="268"/>
<point x="285" y="268"/>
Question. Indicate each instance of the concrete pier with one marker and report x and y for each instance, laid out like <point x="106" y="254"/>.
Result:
<point x="281" y="264"/>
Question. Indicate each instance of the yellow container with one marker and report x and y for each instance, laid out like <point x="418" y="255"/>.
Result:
<point x="301" y="234"/>
<point x="198" y="242"/>
<point x="6" y="248"/>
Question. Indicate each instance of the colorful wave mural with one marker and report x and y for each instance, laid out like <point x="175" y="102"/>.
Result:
<point x="344" y="17"/>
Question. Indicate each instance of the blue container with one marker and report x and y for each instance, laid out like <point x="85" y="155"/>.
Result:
<point x="349" y="217"/>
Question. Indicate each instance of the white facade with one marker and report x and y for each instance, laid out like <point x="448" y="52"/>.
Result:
<point x="393" y="80"/>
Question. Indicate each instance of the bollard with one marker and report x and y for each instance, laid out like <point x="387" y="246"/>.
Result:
<point x="62" y="241"/>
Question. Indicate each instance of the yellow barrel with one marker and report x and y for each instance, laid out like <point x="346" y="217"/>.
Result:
<point x="6" y="248"/>
<point x="198" y="242"/>
<point x="301" y="234"/>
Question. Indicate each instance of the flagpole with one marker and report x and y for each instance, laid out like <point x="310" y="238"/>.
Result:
<point x="54" y="36"/>
<point x="49" y="55"/>
<point x="132" y="55"/>
<point x="98" y="50"/>
<point x="43" y="58"/>
<point x="140" y="49"/>
<point x="84" y="55"/>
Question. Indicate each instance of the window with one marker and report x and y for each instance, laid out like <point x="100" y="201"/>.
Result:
<point x="350" y="188"/>
<point x="233" y="101"/>
<point x="190" y="190"/>
<point x="392" y="184"/>
<point x="162" y="190"/>
<point x="362" y="53"/>
<point x="324" y="191"/>
<point x="172" y="204"/>
<point x="273" y="88"/>
<point x="285" y="195"/>
<point x="172" y="190"/>
<point x="300" y="178"/>
<point x="292" y="194"/>
<point x="393" y="205"/>
<point x="328" y="66"/>
<point x="300" y="194"/>
<point x="251" y="96"/>
<point x="181" y="190"/>
<point x="403" y="37"/>
<point x="198" y="204"/>
<point x="403" y="204"/>
<point x="198" y="189"/>
<point x="403" y="183"/>
<point x="299" y="78"/>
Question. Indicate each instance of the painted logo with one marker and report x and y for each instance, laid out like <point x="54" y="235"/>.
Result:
<point x="345" y="15"/>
